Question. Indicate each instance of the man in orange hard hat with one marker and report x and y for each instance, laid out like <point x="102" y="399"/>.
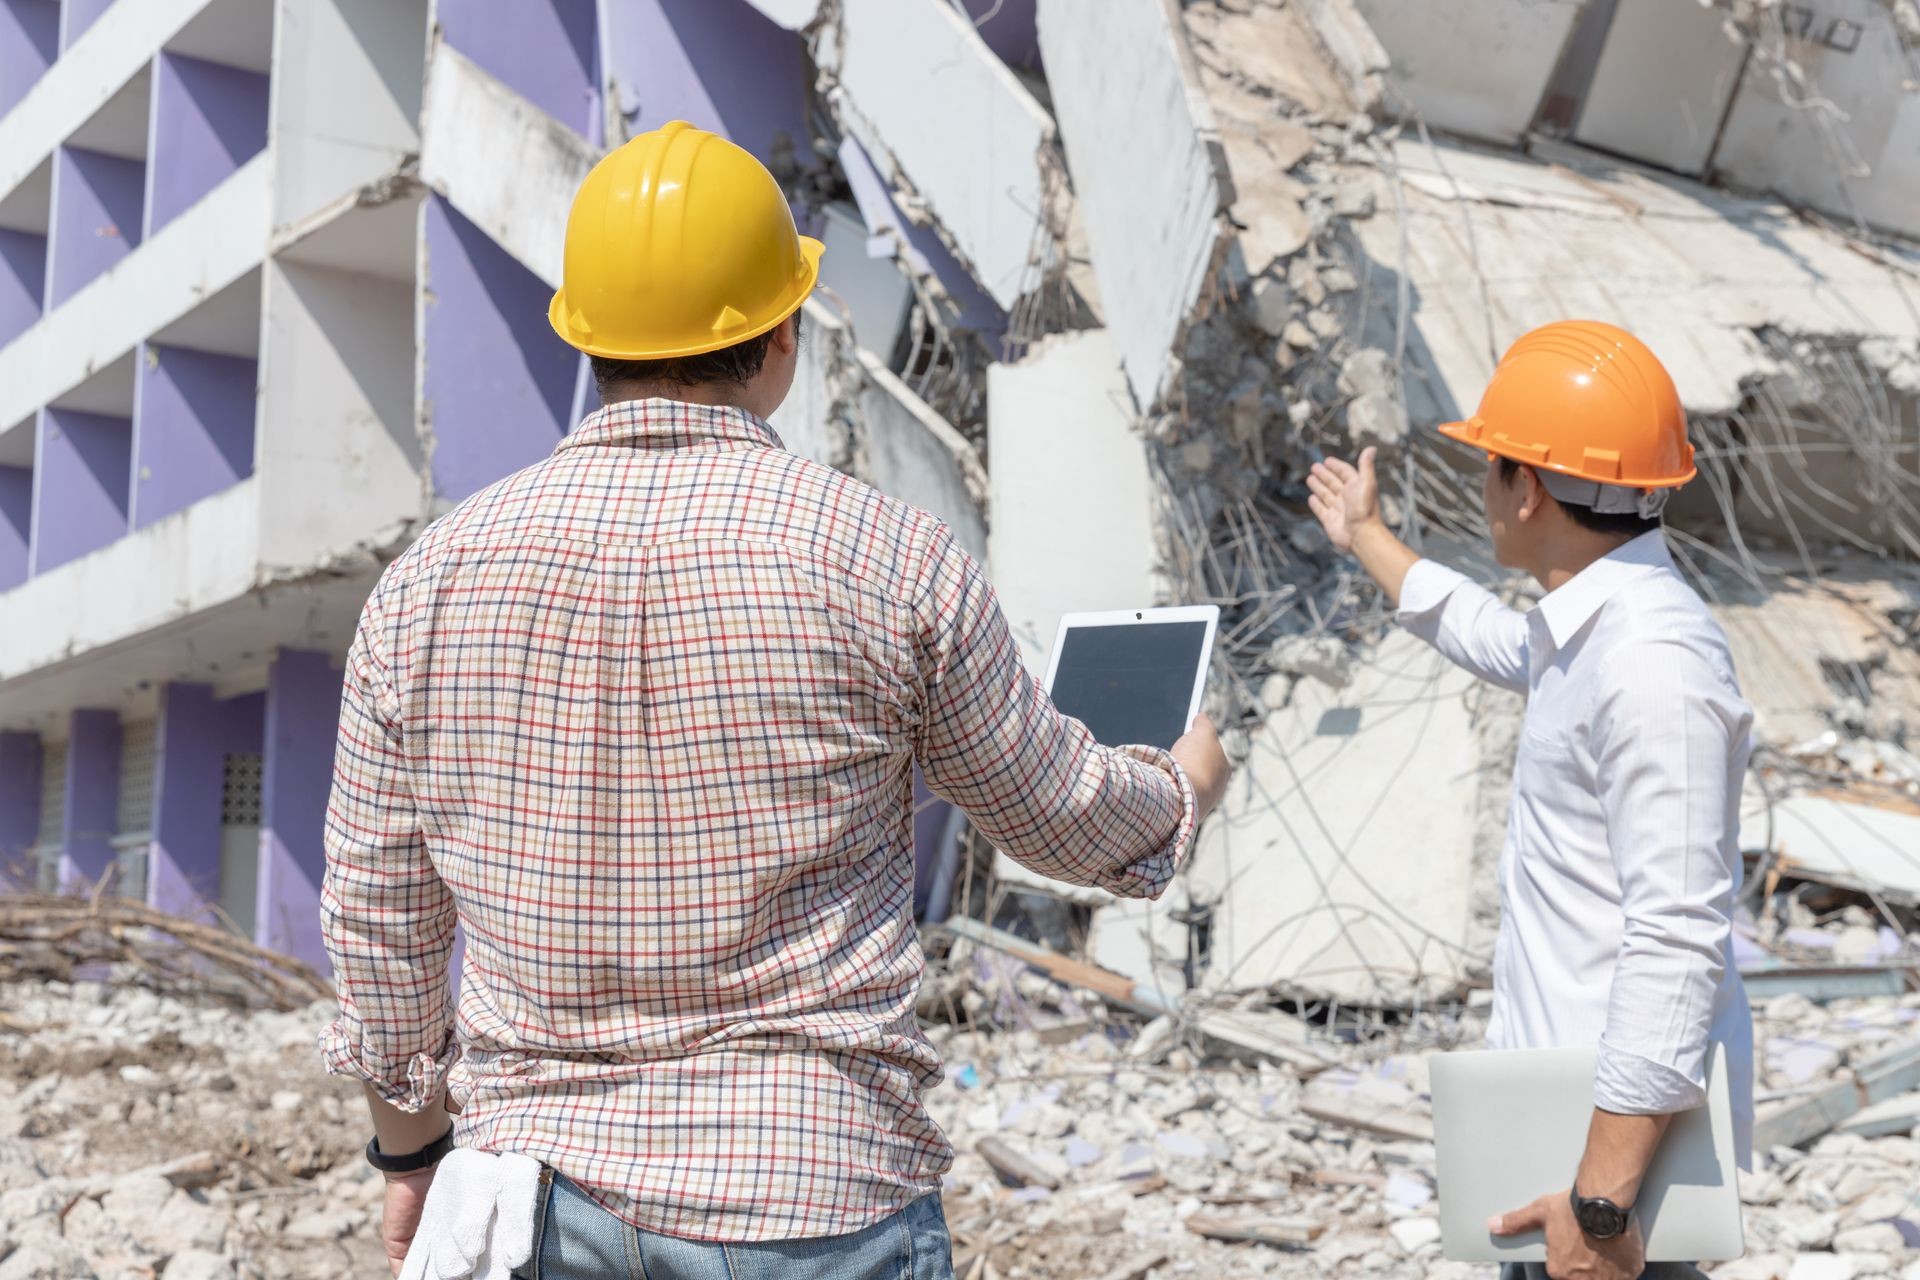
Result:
<point x="643" y="719"/>
<point x="1622" y="858"/>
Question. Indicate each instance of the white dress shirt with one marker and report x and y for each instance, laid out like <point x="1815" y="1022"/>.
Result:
<point x="1622" y="856"/>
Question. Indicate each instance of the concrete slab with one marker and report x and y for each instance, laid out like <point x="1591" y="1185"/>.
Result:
<point x="1073" y="505"/>
<point x="942" y="117"/>
<point x="1661" y="88"/>
<point x="1840" y="842"/>
<point x="1128" y="101"/>
<point x="1340" y="862"/>
<point x="1478" y="67"/>
<point x="1844" y="142"/>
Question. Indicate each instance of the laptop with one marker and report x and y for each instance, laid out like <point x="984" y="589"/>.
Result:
<point x="1510" y="1126"/>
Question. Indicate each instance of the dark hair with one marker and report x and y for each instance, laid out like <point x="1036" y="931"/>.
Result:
<point x="1621" y="524"/>
<point x="739" y="363"/>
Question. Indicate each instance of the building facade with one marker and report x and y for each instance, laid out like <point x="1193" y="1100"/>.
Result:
<point x="274" y="294"/>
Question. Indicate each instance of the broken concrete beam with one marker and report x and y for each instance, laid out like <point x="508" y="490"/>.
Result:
<point x="1128" y="103"/>
<point x="521" y="200"/>
<point x="1286" y="1233"/>
<point x="952" y="129"/>
<point x="1020" y="1168"/>
<point x="1886" y="1075"/>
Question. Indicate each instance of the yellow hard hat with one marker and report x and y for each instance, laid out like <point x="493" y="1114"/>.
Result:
<point x="679" y="242"/>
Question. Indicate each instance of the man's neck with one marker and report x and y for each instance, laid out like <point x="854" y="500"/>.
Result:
<point x="1559" y="563"/>
<point x="712" y="394"/>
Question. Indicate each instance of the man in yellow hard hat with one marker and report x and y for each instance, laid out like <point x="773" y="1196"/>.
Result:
<point x="1622" y="858"/>
<point x="643" y="719"/>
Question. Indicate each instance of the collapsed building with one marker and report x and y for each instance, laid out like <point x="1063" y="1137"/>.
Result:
<point x="1103" y="281"/>
<point x="1104" y="278"/>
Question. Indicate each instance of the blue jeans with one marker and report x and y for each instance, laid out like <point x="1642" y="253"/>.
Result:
<point x="576" y="1239"/>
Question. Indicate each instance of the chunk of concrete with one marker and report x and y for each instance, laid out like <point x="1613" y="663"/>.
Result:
<point x="947" y="123"/>
<point x="1478" y="69"/>
<point x="1073" y="502"/>
<point x="1128" y="104"/>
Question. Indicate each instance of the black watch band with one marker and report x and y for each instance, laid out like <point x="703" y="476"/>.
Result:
<point x="426" y="1157"/>
<point x="1598" y="1217"/>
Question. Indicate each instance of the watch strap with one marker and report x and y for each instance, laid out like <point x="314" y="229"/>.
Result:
<point x="414" y="1161"/>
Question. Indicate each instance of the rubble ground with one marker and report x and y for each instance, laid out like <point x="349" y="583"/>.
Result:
<point x="146" y="1135"/>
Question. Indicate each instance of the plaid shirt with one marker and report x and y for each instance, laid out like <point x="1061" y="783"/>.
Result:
<point x="643" y="719"/>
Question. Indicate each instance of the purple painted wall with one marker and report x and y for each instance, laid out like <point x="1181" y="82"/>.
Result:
<point x="16" y="525"/>
<point x="498" y="386"/>
<point x="93" y="797"/>
<point x="1010" y="29"/>
<point x="721" y="64"/>
<point x="96" y="217"/>
<point x="544" y="50"/>
<point x="196" y="731"/>
<point x="19" y="807"/>
<point x="23" y="279"/>
<point x="192" y="429"/>
<point x="82" y="502"/>
<point x="29" y="42"/>
<point x="81" y="14"/>
<point x="303" y="712"/>
<point x="208" y="120"/>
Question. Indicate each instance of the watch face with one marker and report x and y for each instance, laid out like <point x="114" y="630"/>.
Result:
<point x="1600" y="1220"/>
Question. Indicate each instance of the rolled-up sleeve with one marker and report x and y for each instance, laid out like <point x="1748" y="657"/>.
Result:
<point x="1466" y="623"/>
<point x="1034" y="781"/>
<point x="1666" y="731"/>
<point x="386" y="916"/>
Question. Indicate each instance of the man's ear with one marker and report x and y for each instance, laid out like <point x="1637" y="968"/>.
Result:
<point x="786" y="334"/>
<point x="1533" y="497"/>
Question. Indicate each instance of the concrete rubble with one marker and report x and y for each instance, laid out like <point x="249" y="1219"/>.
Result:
<point x="159" y="1135"/>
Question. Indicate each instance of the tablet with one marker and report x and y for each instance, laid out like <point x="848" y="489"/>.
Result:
<point x="1133" y="676"/>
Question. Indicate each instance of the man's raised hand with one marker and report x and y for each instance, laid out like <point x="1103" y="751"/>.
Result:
<point x="1344" y="496"/>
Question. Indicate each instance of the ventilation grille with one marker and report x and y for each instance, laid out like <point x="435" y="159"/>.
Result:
<point x="240" y="790"/>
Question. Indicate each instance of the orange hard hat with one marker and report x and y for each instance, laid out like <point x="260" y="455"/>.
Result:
<point x="1584" y="399"/>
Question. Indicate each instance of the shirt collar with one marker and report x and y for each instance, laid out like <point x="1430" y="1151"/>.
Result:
<point x="1571" y="605"/>
<point x="671" y="425"/>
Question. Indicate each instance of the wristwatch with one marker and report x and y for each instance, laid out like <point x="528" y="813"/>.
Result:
<point x="431" y="1154"/>
<point x="1599" y="1218"/>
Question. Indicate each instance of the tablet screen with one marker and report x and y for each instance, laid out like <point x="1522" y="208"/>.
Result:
<point x="1131" y="683"/>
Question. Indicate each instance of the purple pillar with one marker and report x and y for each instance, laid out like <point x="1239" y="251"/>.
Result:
<point x="96" y="217"/>
<point x="208" y="120"/>
<point x="544" y="50"/>
<point x="192" y="429"/>
<point x="303" y="714"/>
<point x="721" y="64"/>
<point x="16" y="523"/>
<point x="498" y="386"/>
<point x="82" y="501"/>
<point x="80" y="14"/>
<point x="29" y="42"/>
<point x="19" y="807"/>
<point x="196" y="733"/>
<point x="93" y="798"/>
<point x="23" y="277"/>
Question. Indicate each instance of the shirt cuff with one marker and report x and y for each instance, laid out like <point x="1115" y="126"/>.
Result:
<point x="1428" y="584"/>
<point x="1628" y="1084"/>
<point x="1148" y="877"/>
<point x="408" y="1086"/>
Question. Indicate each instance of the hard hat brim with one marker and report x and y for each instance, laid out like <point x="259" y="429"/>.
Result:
<point x="1477" y="436"/>
<point x="811" y="251"/>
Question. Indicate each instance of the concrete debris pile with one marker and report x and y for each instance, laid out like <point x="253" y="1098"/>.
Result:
<point x="144" y="1134"/>
<point x="1095" y="1142"/>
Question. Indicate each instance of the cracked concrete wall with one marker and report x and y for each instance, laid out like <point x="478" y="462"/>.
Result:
<point x="1147" y="166"/>
<point x="953" y="130"/>
<point x="1477" y="67"/>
